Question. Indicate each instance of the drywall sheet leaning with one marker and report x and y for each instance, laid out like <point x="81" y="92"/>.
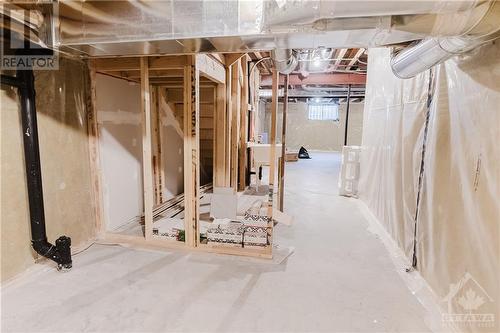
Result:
<point x="120" y="146"/>
<point x="457" y="228"/>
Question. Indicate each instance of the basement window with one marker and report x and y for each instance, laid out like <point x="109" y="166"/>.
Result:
<point x="323" y="112"/>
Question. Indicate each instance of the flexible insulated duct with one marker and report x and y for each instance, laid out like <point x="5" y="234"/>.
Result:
<point x="284" y="60"/>
<point x="431" y="51"/>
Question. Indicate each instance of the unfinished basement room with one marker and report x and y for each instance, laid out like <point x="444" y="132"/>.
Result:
<point x="250" y="166"/>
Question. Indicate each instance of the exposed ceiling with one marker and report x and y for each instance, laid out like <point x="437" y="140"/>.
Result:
<point x="322" y="74"/>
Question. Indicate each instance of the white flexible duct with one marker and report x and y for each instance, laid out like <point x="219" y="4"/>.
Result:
<point x="429" y="52"/>
<point x="284" y="60"/>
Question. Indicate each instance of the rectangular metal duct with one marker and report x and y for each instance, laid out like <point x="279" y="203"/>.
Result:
<point x="107" y="28"/>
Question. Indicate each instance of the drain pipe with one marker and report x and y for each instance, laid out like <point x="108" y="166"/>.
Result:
<point x="61" y="251"/>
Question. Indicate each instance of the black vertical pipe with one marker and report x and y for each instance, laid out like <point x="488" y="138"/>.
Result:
<point x="347" y="114"/>
<point x="61" y="251"/>
<point x="32" y="155"/>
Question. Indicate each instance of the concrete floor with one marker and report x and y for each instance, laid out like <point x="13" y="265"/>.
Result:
<point x="339" y="279"/>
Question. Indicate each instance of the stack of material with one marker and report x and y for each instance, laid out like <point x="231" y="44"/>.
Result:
<point x="236" y="234"/>
<point x="291" y="156"/>
<point x="349" y="171"/>
<point x="256" y="215"/>
<point x="169" y="228"/>
<point x="254" y="236"/>
<point x="227" y="232"/>
<point x="256" y="223"/>
<point x="171" y="207"/>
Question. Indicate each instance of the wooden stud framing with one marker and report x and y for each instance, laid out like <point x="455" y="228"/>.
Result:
<point x="147" y="158"/>
<point x="272" y="150"/>
<point x="235" y="121"/>
<point x="228" y="122"/>
<point x="242" y="154"/>
<point x="281" y="184"/>
<point x="230" y="136"/>
<point x="220" y="136"/>
<point x="94" y="154"/>
<point x="191" y="152"/>
<point x="156" y="145"/>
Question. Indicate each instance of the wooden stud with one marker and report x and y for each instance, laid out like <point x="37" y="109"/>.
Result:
<point x="156" y="145"/>
<point x="235" y="121"/>
<point x="272" y="137"/>
<point x="94" y="154"/>
<point x="191" y="153"/>
<point x="147" y="158"/>
<point x="220" y="137"/>
<point x="228" y="122"/>
<point x="242" y="155"/>
<point x="281" y="184"/>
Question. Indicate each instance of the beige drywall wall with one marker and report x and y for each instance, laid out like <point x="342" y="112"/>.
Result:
<point x="62" y="104"/>
<point x="118" y="104"/>
<point x="317" y="134"/>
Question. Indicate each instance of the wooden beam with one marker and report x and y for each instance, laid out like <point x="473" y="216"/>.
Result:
<point x="133" y="63"/>
<point x="219" y="57"/>
<point x="211" y="68"/>
<point x="263" y="62"/>
<point x="242" y="154"/>
<point x="326" y="78"/>
<point x="191" y="152"/>
<point x="147" y="159"/>
<point x="231" y="58"/>
<point x="136" y="74"/>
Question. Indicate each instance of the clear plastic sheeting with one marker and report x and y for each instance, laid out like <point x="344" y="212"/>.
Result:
<point x="457" y="233"/>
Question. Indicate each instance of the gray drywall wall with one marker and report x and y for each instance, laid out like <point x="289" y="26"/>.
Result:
<point x="119" y="117"/>
<point x="172" y="151"/>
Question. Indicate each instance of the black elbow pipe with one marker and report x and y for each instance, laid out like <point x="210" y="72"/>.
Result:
<point x="61" y="251"/>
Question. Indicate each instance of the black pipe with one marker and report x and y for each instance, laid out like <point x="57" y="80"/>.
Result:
<point x="61" y="251"/>
<point x="11" y="81"/>
<point x="347" y="114"/>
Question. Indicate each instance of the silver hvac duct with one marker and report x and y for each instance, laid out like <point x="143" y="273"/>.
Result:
<point x="428" y="53"/>
<point x="431" y="51"/>
<point x="284" y="60"/>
